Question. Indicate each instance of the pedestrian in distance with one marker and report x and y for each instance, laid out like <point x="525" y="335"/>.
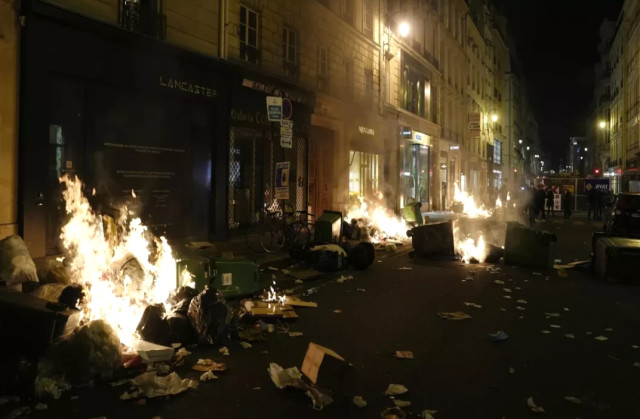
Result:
<point x="599" y="204"/>
<point x="550" y="202"/>
<point x="566" y="203"/>
<point x="592" y="197"/>
<point x="540" y="197"/>
<point x="531" y="205"/>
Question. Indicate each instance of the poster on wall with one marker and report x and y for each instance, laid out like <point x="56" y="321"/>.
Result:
<point x="282" y="180"/>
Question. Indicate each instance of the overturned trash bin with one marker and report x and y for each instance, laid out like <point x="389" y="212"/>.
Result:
<point x="616" y="259"/>
<point x="525" y="246"/>
<point x="432" y="240"/>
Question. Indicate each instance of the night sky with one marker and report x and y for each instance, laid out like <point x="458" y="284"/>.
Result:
<point x="556" y="42"/>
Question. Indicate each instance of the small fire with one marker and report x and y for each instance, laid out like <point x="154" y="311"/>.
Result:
<point x="469" y="204"/>
<point x="133" y="193"/>
<point x="120" y="275"/>
<point x="508" y="196"/>
<point x="272" y="296"/>
<point x="469" y="249"/>
<point x="384" y="222"/>
<point x="498" y="203"/>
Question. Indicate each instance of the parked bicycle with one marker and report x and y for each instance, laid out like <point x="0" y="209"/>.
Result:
<point x="295" y="228"/>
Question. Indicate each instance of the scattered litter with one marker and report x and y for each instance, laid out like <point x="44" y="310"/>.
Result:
<point x="546" y="332"/>
<point x="557" y="261"/>
<point x="570" y="336"/>
<point x="555" y="326"/>
<point x="506" y="289"/>
<point x="521" y="301"/>
<point x="537" y="273"/>
<point x="284" y="377"/>
<point x="379" y="260"/>
<point x="405" y="268"/>
<point x="295" y="334"/>
<point x="499" y="336"/>
<point x="573" y="400"/>
<point x="18" y="413"/>
<point x="163" y="368"/>
<point x="41" y="406"/>
<point x="392" y="413"/>
<point x="503" y="309"/>
<point x="521" y="317"/>
<point x="50" y="386"/>
<point x="297" y="302"/>
<point x="552" y="314"/>
<point x="337" y="311"/>
<point x="273" y="268"/>
<point x="428" y="414"/>
<point x="183" y="352"/>
<point x="119" y="382"/>
<point x="472" y="305"/>
<point x="209" y="365"/>
<point x="289" y="291"/>
<point x="344" y="278"/>
<point x="507" y="297"/>
<point x="512" y="370"/>
<point x="361" y="290"/>
<point x="286" y="271"/>
<point x="395" y="390"/>
<point x="176" y="345"/>
<point x="589" y="333"/>
<point x="467" y="278"/>
<point x="150" y="385"/>
<point x="404" y="354"/>
<point x="257" y="388"/>
<point x="608" y="329"/>
<point x="456" y="315"/>
<point x="546" y="278"/>
<point x="298" y="281"/>
<point x="359" y="401"/>
<point x="497" y="281"/>
<point x="565" y="309"/>
<point x="245" y="345"/>
<point x="520" y="308"/>
<point x="601" y="338"/>
<point x="518" y="288"/>
<point x="207" y="376"/>
<point x="401" y="403"/>
<point x="224" y="351"/>
<point x="635" y="346"/>
<point x="534" y="408"/>
<point x="310" y="291"/>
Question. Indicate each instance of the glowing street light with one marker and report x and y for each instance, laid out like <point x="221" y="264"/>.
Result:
<point x="602" y="124"/>
<point x="586" y="149"/>
<point x="519" y="141"/>
<point x="403" y="29"/>
<point x="528" y="148"/>
<point x="494" y="117"/>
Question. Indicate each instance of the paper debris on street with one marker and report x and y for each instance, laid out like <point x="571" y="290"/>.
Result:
<point x="224" y="351"/>
<point x="498" y="281"/>
<point x="337" y="311"/>
<point x="512" y="370"/>
<point x="150" y="385"/>
<point x="208" y="376"/>
<point x="573" y="400"/>
<point x="508" y="297"/>
<point x="499" y="336"/>
<point x="534" y="407"/>
<point x="506" y="289"/>
<point x="521" y="301"/>
<point x="555" y="326"/>
<point x="297" y="302"/>
<point x="405" y="268"/>
<point x="209" y="365"/>
<point x="395" y="390"/>
<point x="245" y="345"/>
<point x="546" y="332"/>
<point x="404" y="354"/>
<point x="265" y="309"/>
<point x="295" y="334"/>
<point x="601" y="338"/>
<point x="428" y="414"/>
<point x="455" y="315"/>
<point x="570" y="336"/>
<point x="359" y="401"/>
<point x="520" y="308"/>
<point x="472" y="305"/>
<point x="552" y="314"/>
<point x="401" y="403"/>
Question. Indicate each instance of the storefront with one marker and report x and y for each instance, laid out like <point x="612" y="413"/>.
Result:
<point x="366" y="157"/>
<point x="258" y="147"/>
<point x="129" y="116"/>
<point x="631" y="176"/>
<point x="415" y="168"/>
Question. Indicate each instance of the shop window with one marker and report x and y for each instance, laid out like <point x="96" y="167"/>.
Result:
<point x="347" y="11"/>
<point x="249" y="35"/>
<point x="364" y="173"/>
<point x="290" y="51"/>
<point x="413" y="89"/>
<point x="143" y="16"/>
<point x="497" y="151"/>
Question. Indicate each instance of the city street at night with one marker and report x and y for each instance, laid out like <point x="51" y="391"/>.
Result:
<point x="457" y="370"/>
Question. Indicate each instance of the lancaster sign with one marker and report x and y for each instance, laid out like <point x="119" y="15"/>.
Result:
<point x="188" y="87"/>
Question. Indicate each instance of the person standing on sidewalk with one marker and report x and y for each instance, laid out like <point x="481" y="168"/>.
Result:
<point x="592" y="196"/>
<point x="550" y="202"/>
<point x="566" y="203"/>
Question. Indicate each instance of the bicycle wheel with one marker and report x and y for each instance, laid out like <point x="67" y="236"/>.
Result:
<point x="303" y="236"/>
<point x="271" y="236"/>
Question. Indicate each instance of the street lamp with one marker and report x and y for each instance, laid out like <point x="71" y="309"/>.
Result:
<point x="519" y="141"/>
<point x="528" y="148"/>
<point x="602" y="124"/>
<point x="403" y="29"/>
<point x="494" y="117"/>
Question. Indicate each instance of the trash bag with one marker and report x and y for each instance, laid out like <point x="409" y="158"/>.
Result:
<point x="180" y="329"/>
<point x="362" y="256"/>
<point x="180" y="300"/>
<point x="210" y="316"/>
<point x="16" y="265"/>
<point x="153" y="327"/>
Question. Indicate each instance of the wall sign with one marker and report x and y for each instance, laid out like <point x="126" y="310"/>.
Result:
<point x="282" y="180"/>
<point x="187" y="87"/>
<point x="366" y="130"/>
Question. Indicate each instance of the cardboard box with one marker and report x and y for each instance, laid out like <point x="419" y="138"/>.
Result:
<point x="325" y="368"/>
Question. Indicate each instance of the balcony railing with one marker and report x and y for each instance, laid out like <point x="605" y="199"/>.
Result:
<point x="143" y="17"/>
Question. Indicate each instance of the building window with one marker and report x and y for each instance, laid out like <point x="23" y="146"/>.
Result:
<point x="368" y="84"/>
<point x="323" y="69"/>
<point x="289" y="52"/>
<point x="367" y="17"/>
<point x="497" y="151"/>
<point x="414" y="88"/>
<point x="347" y="11"/>
<point x="143" y="16"/>
<point x="248" y="35"/>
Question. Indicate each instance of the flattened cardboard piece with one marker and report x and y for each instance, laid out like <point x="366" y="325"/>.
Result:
<point x="324" y="367"/>
<point x="297" y="302"/>
<point x="264" y="309"/>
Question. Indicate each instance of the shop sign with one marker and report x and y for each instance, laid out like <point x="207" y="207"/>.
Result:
<point x="474" y="125"/>
<point x="187" y="87"/>
<point x="286" y="133"/>
<point x="366" y="130"/>
<point x="420" y="137"/>
<point x="597" y="184"/>
<point x="272" y="89"/>
<point x="282" y="180"/>
<point x="454" y="147"/>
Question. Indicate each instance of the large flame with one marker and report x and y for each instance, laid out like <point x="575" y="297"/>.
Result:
<point x="384" y="222"/>
<point x="121" y="272"/>
<point x="470" y="249"/>
<point x="469" y="204"/>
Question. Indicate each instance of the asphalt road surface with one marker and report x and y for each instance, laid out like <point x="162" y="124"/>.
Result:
<point x="457" y="370"/>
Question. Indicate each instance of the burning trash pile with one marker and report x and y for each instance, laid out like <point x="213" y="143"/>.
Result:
<point x="371" y="221"/>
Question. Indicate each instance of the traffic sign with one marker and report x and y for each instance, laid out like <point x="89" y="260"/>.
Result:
<point x="287" y="108"/>
<point x="286" y="131"/>
<point x="286" y="142"/>
<point x="274" y="108"/>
